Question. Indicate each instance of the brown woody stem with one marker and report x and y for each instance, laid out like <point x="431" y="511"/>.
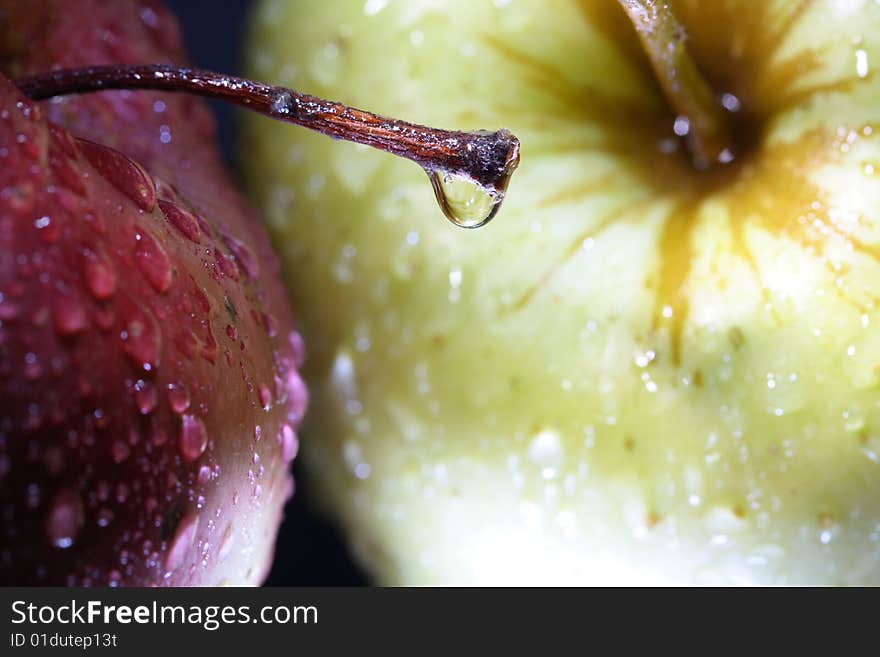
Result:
<point x="488" y="158"/>
<point x="664" y="40"/>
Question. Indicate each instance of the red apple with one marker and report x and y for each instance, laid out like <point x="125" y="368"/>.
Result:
<point x="149" y="394"/>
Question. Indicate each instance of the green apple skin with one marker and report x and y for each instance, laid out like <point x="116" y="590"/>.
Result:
<point x="637" y="373"/>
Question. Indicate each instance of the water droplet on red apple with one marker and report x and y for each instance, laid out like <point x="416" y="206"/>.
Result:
<point x="99" y="274"/>
<point x="69" y="315"/>
<point x="265" y="396"/>
<point x="32" y="369"/>
<point x="49" y="228"/>
<point x="104" y="517"/>
<point x="178" y="397"/>
<point x="297" y="348"/>
<point x="245" y="257"/>
<point x="146" y="397"/>
<point x="120" y="451"/>
<point x="65" y="518"/>
<point x="204" y="475"/>
<point x="122" y="172"/>
<point x="289" y="443"/>
<point x="153" y="262"/>
<point x="226" y="264"/>
<point x="270" y="324"/>
<point x="140" y="336"/>
<point x="182" y="219"/>
<point x="297" y="396"/>
<point x="193" y="437"/>
<point x="209" y="345"/>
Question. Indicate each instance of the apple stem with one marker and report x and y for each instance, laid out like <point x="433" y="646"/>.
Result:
<point x="486" y="158"/>
<point x="700" y="116"/>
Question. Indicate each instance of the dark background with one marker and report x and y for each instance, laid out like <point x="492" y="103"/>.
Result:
<point x="310" y="552"/>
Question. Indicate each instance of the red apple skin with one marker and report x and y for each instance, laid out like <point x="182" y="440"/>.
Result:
<point x="149" y="393"/>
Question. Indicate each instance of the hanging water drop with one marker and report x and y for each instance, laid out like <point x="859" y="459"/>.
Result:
<point x="465" y="202"/>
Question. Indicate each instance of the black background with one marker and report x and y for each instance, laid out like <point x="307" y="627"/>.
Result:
<point x="310" y="551"/>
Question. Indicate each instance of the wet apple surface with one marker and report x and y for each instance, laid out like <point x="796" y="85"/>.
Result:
<point x="640" y="372"/>
<point x="149" y="393"/>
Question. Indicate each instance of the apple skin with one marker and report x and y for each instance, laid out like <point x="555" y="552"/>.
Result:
<point x="149" y="393"/>
<point x="637" y="373"/>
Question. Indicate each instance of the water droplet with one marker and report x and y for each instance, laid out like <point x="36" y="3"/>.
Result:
<point x="100" y="276"/>
<point x="178" y="397"/>
<point x="182" y="542"/>
<point x="226" y="264"/>
<point x="145" y="396"/>
<point x="281" y="103"/>
<point x="853" y="420"/>
<point x="141" y="337"/>
<point x="862" y="63"/>
<point x="153" y="262"/>
<point x="681" y="126"/>
<point x="122" y="172"/>
<point x="464" y="202"/>
<point x="65" y="519"/>
<point x="49" y="228"/>
<point x="245" y="257"/>
<point x="546" y="452"/>
<point x="265" y="396"/>
<point x="297" y="396"/>
<point x="297" y="347"/>
<point x="204" y="475"/>
<point x="730" y="102"/>
<point x="193" y="437"/>
<point x="120" y="451"/>
<point x="184" y="221"/>
<point x="104" y="517"/>
<point x="62" y="140"/>
<point x="870" y="447"/>
<point x="289" y="443"/>
<point x="644" y="358"/>
<point x="270" y="324"/>
<point x="69" y="315"/>
<point x="32" y="367"/>
<point x="373" y="7"/>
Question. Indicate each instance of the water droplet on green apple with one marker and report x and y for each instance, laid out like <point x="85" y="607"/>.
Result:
<point x="853" y="420"/>
<point x="546" y="451"/>
<point x="463" y="201"/>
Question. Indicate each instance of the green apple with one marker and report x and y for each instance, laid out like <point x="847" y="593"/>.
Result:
<point x="639" y="372"/>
